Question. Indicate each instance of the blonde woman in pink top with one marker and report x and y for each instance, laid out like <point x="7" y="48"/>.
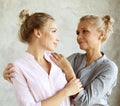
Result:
<point x="38" y="80"/>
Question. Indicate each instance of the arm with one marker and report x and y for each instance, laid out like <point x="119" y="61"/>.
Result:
<point x="64" y="64"/>
<point x="25" y="97"/>
<point x="99" y="87"/>
<point x="62" y="94"/>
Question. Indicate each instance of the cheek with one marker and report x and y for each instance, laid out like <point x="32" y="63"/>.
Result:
<point x="77" y="39"/>
<point x="48" y="38"/>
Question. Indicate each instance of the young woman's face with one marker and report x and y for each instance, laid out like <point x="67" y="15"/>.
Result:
<point x="49" y="39"/>
<point x="87" y="36"/>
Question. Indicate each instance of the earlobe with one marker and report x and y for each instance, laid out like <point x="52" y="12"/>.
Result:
<point x="101" y="37"/>
<point x="37" y="33"/>
<point x="102" y="34"/>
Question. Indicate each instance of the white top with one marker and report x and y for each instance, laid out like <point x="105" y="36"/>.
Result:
<point x="32" y="84"/>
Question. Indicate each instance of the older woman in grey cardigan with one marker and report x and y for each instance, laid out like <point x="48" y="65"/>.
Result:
<point x="97" y="73"/>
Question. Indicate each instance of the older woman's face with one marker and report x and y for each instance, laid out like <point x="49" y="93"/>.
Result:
<point x="87" y="35"/>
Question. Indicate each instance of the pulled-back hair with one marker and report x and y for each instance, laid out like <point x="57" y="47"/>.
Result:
<point x="31" y="22"/>
<point x="104" y="23"/>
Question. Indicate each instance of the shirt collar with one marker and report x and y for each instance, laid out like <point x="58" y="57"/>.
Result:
<point x="47" y="55"/>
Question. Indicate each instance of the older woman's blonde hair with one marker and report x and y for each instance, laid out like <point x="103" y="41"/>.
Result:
<point x="104" y="23"/>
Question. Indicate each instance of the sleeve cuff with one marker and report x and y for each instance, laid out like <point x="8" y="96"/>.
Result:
<point x="77" y="98"/>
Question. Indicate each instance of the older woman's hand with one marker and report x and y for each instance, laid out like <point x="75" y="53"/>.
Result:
<point x="64" y="64"/>
<point x="7" y="73"/>
<point x="61" y="61"/>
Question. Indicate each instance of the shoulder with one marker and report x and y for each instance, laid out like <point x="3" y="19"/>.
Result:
<point x="110" y="64"/>
<point x="18" y="63"/>
<point x="74" y="56"/>
<point x="109" y="67"/>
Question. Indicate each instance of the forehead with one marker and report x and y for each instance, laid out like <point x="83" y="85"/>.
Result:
<point x="50" y="24"/>
<point x="86" y="24"/>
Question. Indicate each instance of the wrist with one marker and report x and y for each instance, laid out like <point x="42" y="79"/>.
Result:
<point x="73" y="96"/>
<point x="65" y="92"/>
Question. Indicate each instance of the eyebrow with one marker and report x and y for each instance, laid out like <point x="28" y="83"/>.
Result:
<point x="53" y="28"/>
<point x="83" y="28"/>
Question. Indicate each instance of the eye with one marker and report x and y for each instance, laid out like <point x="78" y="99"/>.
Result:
<point x="77" y="32"/>
<point x="85" y="31"/>
<point x="54" y="30"/>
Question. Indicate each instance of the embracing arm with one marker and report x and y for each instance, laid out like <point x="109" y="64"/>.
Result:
<point x="7" y="73"/>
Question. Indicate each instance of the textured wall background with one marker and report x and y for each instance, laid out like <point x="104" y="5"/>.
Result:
<point x="67" y="14"/>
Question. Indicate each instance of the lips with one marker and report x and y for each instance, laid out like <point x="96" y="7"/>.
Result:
<point x="55" y="44"/>
<point x="80" y="42"/>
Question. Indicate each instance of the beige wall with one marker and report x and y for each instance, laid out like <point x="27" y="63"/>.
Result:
<point x="67" y="14"/>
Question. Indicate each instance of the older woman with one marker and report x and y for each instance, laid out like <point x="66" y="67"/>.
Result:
<point x="96" y="71"/>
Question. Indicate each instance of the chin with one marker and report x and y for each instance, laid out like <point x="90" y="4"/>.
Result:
<point x="51" y="49"/>
<point x="82" y="48"/>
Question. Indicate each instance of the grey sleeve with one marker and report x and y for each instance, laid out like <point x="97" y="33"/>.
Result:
<point x="99" y="87"/>
<point x="72" y="59"/>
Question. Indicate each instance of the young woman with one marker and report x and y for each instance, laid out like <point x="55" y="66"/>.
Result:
<point x="38" y="80"/>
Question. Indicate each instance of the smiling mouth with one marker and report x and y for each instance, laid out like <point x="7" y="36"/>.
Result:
<point x="55" y="44"/>
<point x="80" y="42"/>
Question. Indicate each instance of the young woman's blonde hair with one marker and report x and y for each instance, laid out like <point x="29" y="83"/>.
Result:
<point x="31" y="22"/>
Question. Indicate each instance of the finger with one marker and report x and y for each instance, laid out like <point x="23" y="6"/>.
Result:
<point x="9" y="77"/>
<point x="58" y="55"/>
<point x="9" y="71"/>
<point x="53" y="59"/>
<point x="80" y="85"/>
<point x="61" y="55"/>
<point x="77" y="80"/>
<point x="9" y="80"/>
<point x="81" y="89"/>
<point x="55" y="56"/>
<point x="8" y="74"/>
<point x="9" y="66"/>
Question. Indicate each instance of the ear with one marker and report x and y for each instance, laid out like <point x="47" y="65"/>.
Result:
<point x="37" y="33"/>
<point x="101" y="35"/>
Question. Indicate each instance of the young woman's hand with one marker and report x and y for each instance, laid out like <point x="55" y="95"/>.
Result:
<point x="7" y="72"/>
<point x="73" y="87"/>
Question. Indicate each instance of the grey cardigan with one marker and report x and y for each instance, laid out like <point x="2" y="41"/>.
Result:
<point x="98" y="79"/>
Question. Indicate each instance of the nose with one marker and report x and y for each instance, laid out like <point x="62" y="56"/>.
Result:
<point x="79" y="36"/>
<point x="57" y="38"/>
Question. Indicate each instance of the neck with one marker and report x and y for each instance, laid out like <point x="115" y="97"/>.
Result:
<point x="36" y="52"/>
<point x="92" y="55"/>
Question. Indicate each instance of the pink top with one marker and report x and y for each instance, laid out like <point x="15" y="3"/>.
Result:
<point x="32" y="84"/>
